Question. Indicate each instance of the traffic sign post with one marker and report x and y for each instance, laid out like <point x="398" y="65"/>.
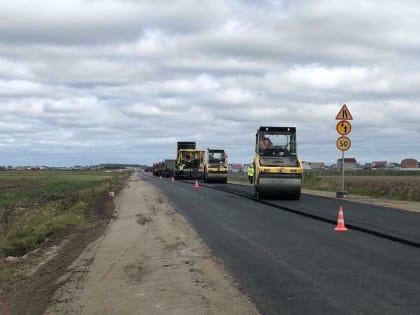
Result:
<point x="343" y="143"/>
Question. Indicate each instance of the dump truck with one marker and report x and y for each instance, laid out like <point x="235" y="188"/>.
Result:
<point x="189" y="161"/>
<point x="157" y="168"/>
<point x="215" y="167"/>
<point x="164" y="168"/>
<point x="277" y="168"/>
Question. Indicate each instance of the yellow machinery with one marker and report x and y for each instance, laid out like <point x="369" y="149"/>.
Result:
<point x="278" y="169"/>
<point x="216" y="168"/>
<point x="189" y="161"/>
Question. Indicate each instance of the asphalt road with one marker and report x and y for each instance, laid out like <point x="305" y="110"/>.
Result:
<point x="392" y="223"/>
<point x="292" y="264"/>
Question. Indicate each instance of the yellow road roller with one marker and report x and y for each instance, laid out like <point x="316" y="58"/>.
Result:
<point x="278" y="169"/>
<point x="215" y="168"/>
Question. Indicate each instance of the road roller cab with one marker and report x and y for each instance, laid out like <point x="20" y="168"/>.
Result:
<point x="216" y="168"/>
<point x="277" y="167"/>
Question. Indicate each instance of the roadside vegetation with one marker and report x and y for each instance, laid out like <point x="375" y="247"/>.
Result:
<point x="387" y="184"/>
<point x="36" y="204"/>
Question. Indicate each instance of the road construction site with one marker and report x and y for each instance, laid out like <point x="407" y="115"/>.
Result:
<point x="194" y="247"/>
<point x="288" y="257"/>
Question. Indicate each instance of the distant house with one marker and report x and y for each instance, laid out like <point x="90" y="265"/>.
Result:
<point x="306" y="165"/>
<point x="317" y="165"/>
<point x="409" y="163"/>
<point x="378" y="164"/>
<point x="234" y="168"/>
<point x="313" y="165"/>
<point x="349" y="164"/>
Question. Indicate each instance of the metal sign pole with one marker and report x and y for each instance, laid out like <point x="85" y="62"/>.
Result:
<point x="342" y="170"/>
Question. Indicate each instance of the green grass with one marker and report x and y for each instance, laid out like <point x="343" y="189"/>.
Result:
<point x="21" y="186"/>
<point x="388" y="185"/>
<point x="365" y="172"/>
<point x="34" y="205"/>
<point x="32" y="229"/>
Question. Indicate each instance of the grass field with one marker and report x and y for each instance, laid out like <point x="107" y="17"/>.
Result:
<point x="396" y="187"/>
<point x="35" y="204"/>
<point x="388" y="184"/>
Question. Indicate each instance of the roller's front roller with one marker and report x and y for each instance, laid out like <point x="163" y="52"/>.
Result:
<point x="216" y="178"/>
<point x="278" y="186"/>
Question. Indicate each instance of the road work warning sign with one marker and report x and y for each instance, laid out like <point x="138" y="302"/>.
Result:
<point x="344" y="114"/>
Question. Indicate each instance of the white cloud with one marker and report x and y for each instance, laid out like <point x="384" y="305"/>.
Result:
<point x="321" y="77"/>
<point x="13" y="70"/>
<point x="236" y="96"/>
<point x="102" y="79"/>
<point x="22" y="87"/>
<point x="100" y="21"/>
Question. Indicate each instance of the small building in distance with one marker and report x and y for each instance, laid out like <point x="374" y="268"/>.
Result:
<point x="317" y="165"/>
<point x="409" y="163"/>
<point x="306" y="165"/>
<point x="349" y="164"/>
<point x="378" y="164"/>
<point x="313" y="165"/>
<point x="235" y="168"/>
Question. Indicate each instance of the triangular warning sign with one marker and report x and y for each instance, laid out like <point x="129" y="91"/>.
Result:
<point x="344" y="114"/>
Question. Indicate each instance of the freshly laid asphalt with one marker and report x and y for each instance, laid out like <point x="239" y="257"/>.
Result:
<point x="292" y="264"/>
<point x="397" y="223"/>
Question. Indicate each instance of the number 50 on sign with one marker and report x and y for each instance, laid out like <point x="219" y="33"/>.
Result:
<point x="343" y="143"/>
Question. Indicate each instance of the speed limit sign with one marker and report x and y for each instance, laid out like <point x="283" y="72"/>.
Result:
<point x="343" y="143"/>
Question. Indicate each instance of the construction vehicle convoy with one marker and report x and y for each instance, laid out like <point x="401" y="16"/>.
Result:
<point x="216" y="168"/>
<point x="277" y="168"/>
<point x="189" y="163"/>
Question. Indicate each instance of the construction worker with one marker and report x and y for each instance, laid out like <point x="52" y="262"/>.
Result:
<point x="181" y="168"/>
<point x="251" y="174"/>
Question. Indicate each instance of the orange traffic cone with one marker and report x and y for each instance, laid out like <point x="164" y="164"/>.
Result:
<point x="340" y="223"/>
<point x="196" y="184"/>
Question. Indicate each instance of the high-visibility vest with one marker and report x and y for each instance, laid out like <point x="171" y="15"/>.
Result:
<point x="250" y="171"/>
<point x="181" y="167"/>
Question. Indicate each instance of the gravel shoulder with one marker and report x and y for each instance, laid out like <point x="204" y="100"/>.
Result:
<point x="148" y="261"/>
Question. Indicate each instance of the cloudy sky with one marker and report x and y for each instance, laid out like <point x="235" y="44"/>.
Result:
<point x="93" y="81"/>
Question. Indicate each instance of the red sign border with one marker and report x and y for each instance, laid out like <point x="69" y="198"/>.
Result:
<point x="343" y="137"/>
<point x="341" y="121"/>
<point x="343" y="108"/>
